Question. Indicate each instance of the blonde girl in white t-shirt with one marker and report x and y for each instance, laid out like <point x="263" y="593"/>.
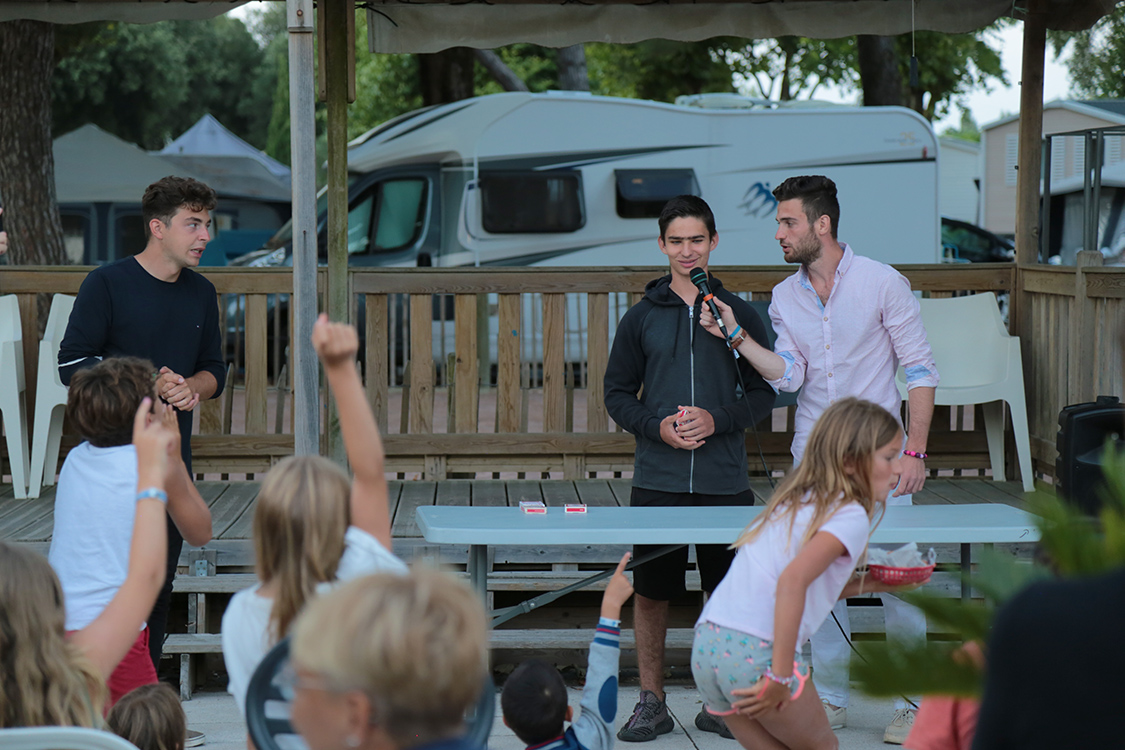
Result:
<point x="793" y="562"/>
<point x="312" y="525"/>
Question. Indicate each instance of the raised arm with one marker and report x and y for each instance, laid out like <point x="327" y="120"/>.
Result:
<point x="337" y="345"/>
<point x="107" y="639"/>
<point x="185" y="505"/>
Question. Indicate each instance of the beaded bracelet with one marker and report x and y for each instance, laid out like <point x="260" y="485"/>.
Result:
<point x="916" y="454"/>
<point x="153" y="492"/>
<point x="796" y="680"/>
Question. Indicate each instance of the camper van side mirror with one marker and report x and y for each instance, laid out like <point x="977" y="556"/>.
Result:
<point x="424" y="260"/>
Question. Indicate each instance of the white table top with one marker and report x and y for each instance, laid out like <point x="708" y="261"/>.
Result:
<point x="924" y="524"/>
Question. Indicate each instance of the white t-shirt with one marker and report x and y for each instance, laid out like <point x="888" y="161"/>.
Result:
<point x="745" y="598"/>
<point x="95" y="504"/>
<point x="246" y="622"/>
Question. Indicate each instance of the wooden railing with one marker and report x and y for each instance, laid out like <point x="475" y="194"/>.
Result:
<point x="1075" y="350"/>
<point x="437" y="371"/>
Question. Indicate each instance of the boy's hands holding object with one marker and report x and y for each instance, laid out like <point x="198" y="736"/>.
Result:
<point x="335" y="343"/>
<point x="617" y="591"/>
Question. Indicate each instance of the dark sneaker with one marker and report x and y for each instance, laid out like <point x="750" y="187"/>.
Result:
<point x="650" y="719"/>
<point x="711" y="723"/>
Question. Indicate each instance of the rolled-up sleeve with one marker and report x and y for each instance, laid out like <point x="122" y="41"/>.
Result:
<point x="786" y="347"/>
<point x="902" y="317"/>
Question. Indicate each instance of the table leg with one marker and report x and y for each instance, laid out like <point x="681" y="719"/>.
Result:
<point x="966" y="569"/>
<point x="478" y="570"/>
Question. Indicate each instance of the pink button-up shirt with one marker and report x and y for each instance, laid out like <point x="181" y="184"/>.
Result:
<point x="851" y="346"/>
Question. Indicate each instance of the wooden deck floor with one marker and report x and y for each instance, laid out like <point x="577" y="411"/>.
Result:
<point x="30" y="521"/>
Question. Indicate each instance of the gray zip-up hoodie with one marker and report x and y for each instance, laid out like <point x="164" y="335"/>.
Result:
<point x="661" y="346"/>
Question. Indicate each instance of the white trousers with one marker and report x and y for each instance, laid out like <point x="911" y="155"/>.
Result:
<point x="831" y="654"/>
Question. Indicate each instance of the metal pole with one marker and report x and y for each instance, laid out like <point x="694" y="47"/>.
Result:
<point x="1045" y="204"/>
<point x="1099" y="160"/>
<point x="302" y="139"/>
<point x="1088" y="227"/>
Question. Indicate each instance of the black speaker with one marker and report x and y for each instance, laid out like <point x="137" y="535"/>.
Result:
<point x="1083" y="432"/>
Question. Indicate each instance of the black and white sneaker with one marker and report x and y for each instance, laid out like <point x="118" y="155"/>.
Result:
<point x="650" y="719"/>
<point x="708" y="722"/>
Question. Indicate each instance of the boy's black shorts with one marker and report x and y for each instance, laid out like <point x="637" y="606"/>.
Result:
<point x="663" y="578"/>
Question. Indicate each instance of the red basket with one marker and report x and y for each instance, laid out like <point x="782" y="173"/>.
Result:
<point x="900" y="576"/>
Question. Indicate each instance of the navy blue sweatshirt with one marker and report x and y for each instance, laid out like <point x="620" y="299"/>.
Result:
<point x="660" y="345"/>
<point x="124" y="311"/>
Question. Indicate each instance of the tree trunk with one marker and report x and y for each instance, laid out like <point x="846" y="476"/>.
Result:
<point x="27" y="164"/>
<point x="879" y="71"/>
<point x="497" y="68"/>
<point x="447" y="76"/>
<point x="571" y="63"/>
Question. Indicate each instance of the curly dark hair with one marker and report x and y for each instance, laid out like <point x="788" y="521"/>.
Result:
<point x="166" y="196"/>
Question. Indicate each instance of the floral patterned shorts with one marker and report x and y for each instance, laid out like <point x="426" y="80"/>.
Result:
<point x="723" y="660"/>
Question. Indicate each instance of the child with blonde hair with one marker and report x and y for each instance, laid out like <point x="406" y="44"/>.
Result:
<point x="150" y="717"/>
<point x="793" y="562"/>
<point x="312" y="526"/>
<point x="46" y="677"/>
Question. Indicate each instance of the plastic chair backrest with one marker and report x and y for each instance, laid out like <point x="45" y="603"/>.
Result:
<point x="267" y="711"/>
<point x="61" y="738"/>
<point x="57" y="319"/>
<point x="968" y="339"/>
<point x="10" y="328"/>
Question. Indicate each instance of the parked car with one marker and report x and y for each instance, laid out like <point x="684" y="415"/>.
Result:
<point x="962" y="242"/>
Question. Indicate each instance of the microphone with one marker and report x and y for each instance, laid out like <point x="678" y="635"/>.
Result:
<point x="699" y="278"/>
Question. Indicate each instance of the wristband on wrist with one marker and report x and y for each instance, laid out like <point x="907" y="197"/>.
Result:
<point x="795" y="683"/>
<point x="737" y="330"/>
<point x="916" y="454"/>
<point x="155" y="493"/>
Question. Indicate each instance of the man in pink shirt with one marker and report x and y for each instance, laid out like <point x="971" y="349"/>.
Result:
<point x="844" y="324"/>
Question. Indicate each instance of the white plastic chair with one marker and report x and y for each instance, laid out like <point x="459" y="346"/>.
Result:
<point x="61" y="738"/>
<point x="50" y="399"/>
<point x="11" y="391"/>
<point x="979" y="363"/>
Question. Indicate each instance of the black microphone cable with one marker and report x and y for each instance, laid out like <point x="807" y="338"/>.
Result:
<point x="699" y="278"/>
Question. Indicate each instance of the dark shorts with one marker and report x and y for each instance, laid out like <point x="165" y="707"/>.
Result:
<point x="663" y="578"/>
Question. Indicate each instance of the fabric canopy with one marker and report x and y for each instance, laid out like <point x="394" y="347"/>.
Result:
<point x="395" y="27"/>
<point x="69" y="11"/>
<point x="93" y="166"/>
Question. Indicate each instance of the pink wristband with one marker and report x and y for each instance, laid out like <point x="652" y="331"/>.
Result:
<point x="916" y="454"/>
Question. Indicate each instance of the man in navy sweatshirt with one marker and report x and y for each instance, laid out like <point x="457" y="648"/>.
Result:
<point x="679" y="391"/>
<point x="152" y="305"/>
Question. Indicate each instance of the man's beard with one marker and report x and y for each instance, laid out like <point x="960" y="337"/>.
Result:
<point x="805" y="251"/>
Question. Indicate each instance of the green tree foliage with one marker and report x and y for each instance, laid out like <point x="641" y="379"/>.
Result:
<point x="967" y="130"/>
<point x="661" y="70"/>
<point x="1097" y="60"/>
<point x="1072" y="544"/>
<point x="949" y="67"/>
<point x="149" y="83"/>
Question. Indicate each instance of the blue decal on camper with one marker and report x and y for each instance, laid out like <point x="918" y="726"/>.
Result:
<point x="758" y="201"/>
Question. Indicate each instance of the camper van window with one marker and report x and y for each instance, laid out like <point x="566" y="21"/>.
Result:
<point x="532" y="202"/>
<point x="641" y="193"/>
<point x="391" y="212"/>
<point x="128" y="235"/>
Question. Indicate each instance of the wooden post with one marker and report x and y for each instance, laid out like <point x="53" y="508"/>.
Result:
<point x="1081" y="357"/>
<point x="1030" y="161"/>
<point x="306" y="401"/>
<point x="333" y="35"/>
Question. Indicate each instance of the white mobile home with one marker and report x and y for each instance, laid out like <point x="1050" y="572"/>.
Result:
<point x="577" y="180"/>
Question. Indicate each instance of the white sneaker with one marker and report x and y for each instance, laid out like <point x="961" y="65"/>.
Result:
<point x="900" y="726"/>
<point x="837" y="717"/>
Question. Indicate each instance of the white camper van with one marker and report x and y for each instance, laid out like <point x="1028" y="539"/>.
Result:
<point x="568" y="179"/>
